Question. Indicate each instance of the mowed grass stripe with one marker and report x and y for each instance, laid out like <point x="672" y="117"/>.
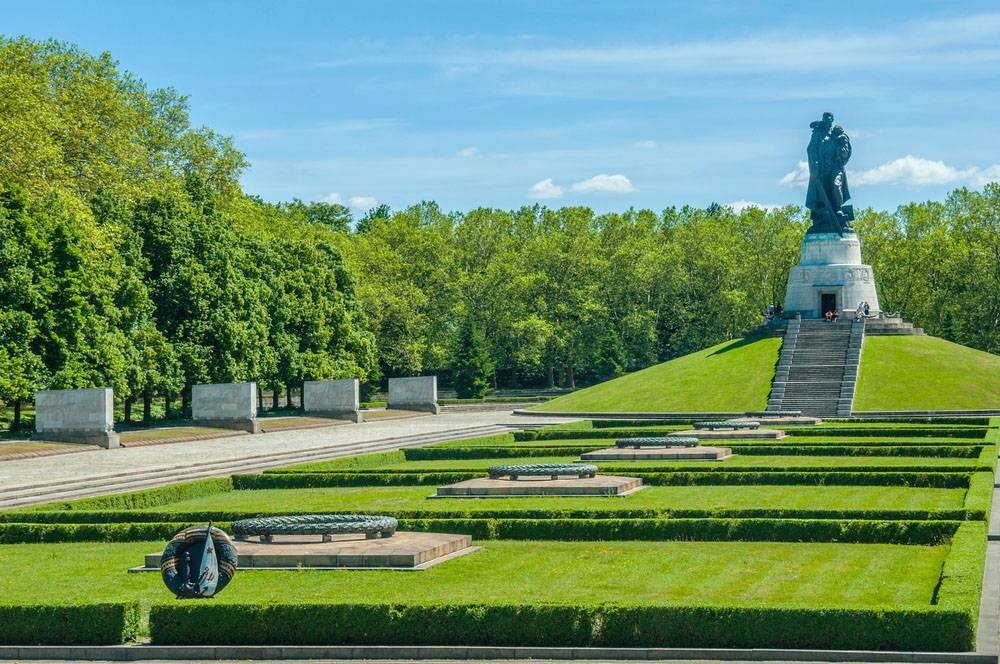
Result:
<point x="741" y="573"/>
<point x="709" y="497"/>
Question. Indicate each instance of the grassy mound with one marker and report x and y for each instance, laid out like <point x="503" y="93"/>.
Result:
<point x="926" y="373"/>
<point x="733" y="376"/>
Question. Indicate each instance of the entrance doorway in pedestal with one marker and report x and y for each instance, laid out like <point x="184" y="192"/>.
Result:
<point x="827" y="302"/>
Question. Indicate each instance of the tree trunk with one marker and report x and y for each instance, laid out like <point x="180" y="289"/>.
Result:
<point x="147" y="408"/>
<point x="186" y="401"/>
<point x="16" y="424"/>
<point x="275" y="398"/>
<point x="128" y="410"/>
<point x="288" y="396"/>
<point x="550" y="379"/>
<point x="260" y="398"/>
<point x="571" y="378"/>
<point x="166" y="405"/>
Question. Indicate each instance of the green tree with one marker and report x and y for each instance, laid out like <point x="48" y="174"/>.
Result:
<point x="473" y="366"/>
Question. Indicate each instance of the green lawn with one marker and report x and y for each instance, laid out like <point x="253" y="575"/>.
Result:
<point x="394" y="500"/>
<point x="522" y="572"/>
<point x="733" y="376"/>
<point x="925" y="373"/>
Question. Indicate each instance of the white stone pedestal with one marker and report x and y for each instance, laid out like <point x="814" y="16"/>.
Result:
<point x="830" y="275"/>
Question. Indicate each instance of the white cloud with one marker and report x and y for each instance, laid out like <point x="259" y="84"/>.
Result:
<point x="546" y="189"/>
<point x="987" y="175"/>
<point x="740" y="205"/>
<point x="645" y="145"/>
<point x="363" y="202"/>
<point x="910" y="170"/>
<point x="797" y="178"/>
<point x="606" y="184"/>
<point x="907" y="171"/>
<point x="469" y="152"/>
<point x="333" y="199"/>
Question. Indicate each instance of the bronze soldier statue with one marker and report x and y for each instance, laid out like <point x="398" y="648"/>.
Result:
<point x="828" y="195"/>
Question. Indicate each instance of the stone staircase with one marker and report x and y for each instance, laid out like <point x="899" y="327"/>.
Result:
<point x="817" y="368"/>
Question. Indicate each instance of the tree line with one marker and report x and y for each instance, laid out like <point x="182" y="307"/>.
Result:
<point x="131" y="258"/>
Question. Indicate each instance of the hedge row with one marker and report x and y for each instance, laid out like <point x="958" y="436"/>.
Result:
<point x="78" y="624"/>
<point x="554" y="529"/>
<point x="833" y="432"/>
<point x="974" y="433"/>
<point x="962" y="574"/>
<point x="973" y="421"/>
<point x="979" y="496"/>
<point x="620" y="424"/>
<point x="135" y="500"/>
<point x="939" y="480"/>
<point x="973" y="510"/>
<point x="506" y="452"/>
<point x="607" y="625"/>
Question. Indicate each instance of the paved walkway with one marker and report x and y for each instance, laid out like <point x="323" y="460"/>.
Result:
<point x="51" y="470"/>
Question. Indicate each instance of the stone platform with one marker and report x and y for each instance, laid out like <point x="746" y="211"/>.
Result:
<point x="730" y="434"/>
<point x="601" y="485"/>
<point x="658" y="454"/>
<point x="789" y="421"/>
<point x="403" y="551"/>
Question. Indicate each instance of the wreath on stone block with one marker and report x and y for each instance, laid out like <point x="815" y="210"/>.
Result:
<point x="552" y="470"/>
<point x="728" y="424"/>
<point x="316" y="524"/>
<point x="663" y="441"/>
<point x="181" y="561"/>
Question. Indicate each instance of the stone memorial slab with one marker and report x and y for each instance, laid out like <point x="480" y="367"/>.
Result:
<point x="699" y="453"/>
<point x="730" y="434"/>
<point x="418" y="393"/>
<point x="226" y="405"/>
<point x="403" y="551"/>
<point x="76" y="416"/>
<point x="601" y="485"/>
<point x="338" y="399"/>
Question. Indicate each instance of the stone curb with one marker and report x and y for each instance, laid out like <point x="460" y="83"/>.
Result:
<point x="148" y="652"/>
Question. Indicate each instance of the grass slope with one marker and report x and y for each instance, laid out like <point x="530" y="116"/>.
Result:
<point x="926" y="373"/>
<point x="778" y="573"/>
<point x="733" y="376"/>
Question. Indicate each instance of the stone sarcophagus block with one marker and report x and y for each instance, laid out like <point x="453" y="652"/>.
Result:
<point x="415" y="393"/>
<point x="333" y="398"/>
<point x="226" y="405"/>
<point x="76" y="416"/>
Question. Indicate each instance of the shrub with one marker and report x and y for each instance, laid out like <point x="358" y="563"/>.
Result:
<point x="30" y="533"/>
<point x="77" y="624"/>
<point x="704" y="476"/>
<point x="606" y="625"/>
<point x="135" y="500"/>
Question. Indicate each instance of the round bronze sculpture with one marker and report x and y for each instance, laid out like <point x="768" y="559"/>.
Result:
<point x="665" y="441"/>
<point x="181" y="561"/>
<point x="326" y="525"/>
<point x="552" y="470"/>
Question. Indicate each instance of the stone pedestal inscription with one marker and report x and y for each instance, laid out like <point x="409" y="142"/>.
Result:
<point x="830" y="277"/>
<point x="416" y="393"/>
<point x="76" y="416"/>
<point x="226" y="405"/>
<point x="332" y="398"/>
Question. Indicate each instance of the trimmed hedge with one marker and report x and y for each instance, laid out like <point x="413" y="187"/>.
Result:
<point x="662" y="422"/>
<point x="975" y="433"/>
<point x="556" y="529"/>
<point x="68" y="625"/>
<point x="972" y="433"/>
<point x="607" y="625"/>
<point x="506" y="452"/>
<point x="35" y="533"/>
<point x="980" y="421"/>
<point x="222" y="516"/>
<point x="135" y="500"/>
<point x="979" y="496"/>
<point x="938" y="480"/>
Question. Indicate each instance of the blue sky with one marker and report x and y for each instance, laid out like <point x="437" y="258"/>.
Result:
<point x="607" y="104"/>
